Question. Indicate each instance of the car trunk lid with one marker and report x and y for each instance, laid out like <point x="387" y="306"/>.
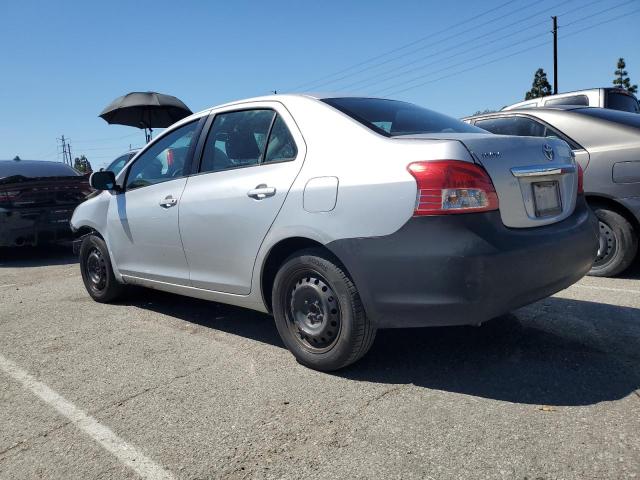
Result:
<point x="19" y="192"/>
<point x="535" y="179"/>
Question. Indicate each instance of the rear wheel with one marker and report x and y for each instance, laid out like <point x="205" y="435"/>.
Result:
<point x="97" y="273"/>
<point x="318" y="312"/>
<point x="618" y="244"/>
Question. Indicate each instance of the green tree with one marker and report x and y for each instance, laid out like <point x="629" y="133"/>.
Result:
<point x="540" y="87"/>
<point x="622" y="79"/>
<point x="82" y="164"/>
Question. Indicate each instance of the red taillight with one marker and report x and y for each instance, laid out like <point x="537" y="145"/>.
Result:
<point x="7" y="197"/>
<point x="452" y="186"/>
<point x="580" y="179"/>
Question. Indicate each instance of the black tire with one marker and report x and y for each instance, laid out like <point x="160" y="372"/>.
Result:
<point x="97" y="273"/>
<point x="618" y="243"/>
<point x="318" y="312"/>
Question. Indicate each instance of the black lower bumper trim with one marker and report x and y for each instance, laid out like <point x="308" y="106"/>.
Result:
<point x="466" y="269"/>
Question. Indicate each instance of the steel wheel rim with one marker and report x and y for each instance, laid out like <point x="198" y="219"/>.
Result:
<point x="96" y="270"/>
<point x="607" y="246"/>
<point x="313" y="312"/>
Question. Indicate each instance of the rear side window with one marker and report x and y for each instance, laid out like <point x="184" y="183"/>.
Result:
<point x="246" y="138"/>
<point x="394" y="118"/>
<point x="281" y="146"/>
<point x="236" y="139"/>
<point x="34" y="169"/>
<point x="572" y="100"/>
<point x="622" y="102"/>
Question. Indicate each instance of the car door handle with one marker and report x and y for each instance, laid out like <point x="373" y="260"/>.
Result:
<point x="261" y="192"/>
<point x="168" y="202"/>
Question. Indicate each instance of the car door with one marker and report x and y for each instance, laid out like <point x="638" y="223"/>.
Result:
<point x="143" y="233"/>
<point x="521" y="125"/>
<point x="249" y="161"/>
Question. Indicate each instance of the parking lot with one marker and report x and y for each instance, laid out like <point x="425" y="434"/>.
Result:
<point x="169" y="387"/>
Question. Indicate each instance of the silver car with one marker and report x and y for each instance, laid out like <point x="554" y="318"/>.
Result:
<point x="340" y="215"/>
<point x="606" y="144"/>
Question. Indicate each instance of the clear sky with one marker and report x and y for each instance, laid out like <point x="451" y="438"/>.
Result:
<point x="62" y="62"/>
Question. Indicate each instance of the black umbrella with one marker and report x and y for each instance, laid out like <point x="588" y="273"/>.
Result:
<point x="145" y="110"/>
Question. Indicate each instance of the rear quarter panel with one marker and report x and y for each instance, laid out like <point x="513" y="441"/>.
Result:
<point x="376" y="193"/>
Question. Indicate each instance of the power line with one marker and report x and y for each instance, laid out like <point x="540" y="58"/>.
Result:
<point x="514" y="53"/>
<point x="396" y="73"/>
<point x="386" y="89"/>
<point x="402" y="47"/>
<point x="598" y="13"/>
<point x="520" y="42"/>
<point x="99" y="140"/>
<point x="406" y="54"/>
<point x="99" y="148"/>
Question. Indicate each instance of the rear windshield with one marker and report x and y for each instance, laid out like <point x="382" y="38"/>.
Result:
<point x="30" y="169"/>
<point x="393" y="118"/>
<point x="623" y="102"/>
<point x="623" y="118"/>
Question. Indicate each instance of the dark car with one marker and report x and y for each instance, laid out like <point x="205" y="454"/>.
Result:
<point x="37" y="199"/>
<point x="606" y="143"/>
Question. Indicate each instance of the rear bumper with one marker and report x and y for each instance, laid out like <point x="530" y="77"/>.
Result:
<point x="466" y="269"/>
<point x="34" y="226"/>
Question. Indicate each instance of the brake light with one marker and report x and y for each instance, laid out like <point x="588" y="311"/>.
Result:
<point x="580" y="179"/>
<point x="452" y="186"/>
<point x="8" y="196"/>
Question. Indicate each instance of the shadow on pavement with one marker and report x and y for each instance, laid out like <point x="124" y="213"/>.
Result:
<point x="226" y="318"/>
<point x="633" y="273"/>
<point x="555" y="352"/>
<point x="40" y="256"/>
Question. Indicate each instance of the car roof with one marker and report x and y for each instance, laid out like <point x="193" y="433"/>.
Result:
<point x="284" y="96"/>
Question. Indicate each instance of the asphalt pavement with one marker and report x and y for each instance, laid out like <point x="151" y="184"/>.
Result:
<point x="162" y="386"/>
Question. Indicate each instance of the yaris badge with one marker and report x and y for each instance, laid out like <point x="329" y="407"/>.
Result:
<point x="548" y="151"/>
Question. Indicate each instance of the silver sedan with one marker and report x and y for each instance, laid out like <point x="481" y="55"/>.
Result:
<point x="606" y="143"/>
<point x="340" y="215"/>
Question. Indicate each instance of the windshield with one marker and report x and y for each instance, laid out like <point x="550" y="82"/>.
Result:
<point x="393" y="118"/>
<point x="622" y="118"/>
<point x="623" y="102"/>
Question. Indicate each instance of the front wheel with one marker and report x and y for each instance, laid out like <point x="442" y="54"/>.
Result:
<point x="318" y="312"/>
<point x="97" y="273"/>
<point x="618" y="244"/>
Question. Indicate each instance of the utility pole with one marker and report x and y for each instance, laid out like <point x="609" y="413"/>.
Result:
<point x="64" y="149"/>
<point x="69" y="152"/>
<point x="555" y="54"/>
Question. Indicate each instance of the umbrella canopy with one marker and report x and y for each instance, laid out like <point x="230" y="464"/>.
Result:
<point x="145" y="110"/>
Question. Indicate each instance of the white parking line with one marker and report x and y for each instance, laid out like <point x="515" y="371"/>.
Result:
<point x="608" y="289"/>
<point x="9" y="285"/>
<point x="124" y="451"/>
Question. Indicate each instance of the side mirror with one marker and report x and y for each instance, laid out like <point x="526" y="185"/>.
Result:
<point x="105" y="180"/>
